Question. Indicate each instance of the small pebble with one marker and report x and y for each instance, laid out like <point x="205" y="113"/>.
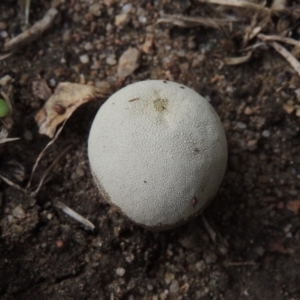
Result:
<point x="169" y="277"/>
<point x="126" y="8"/>
<point x="28" y="136"/>
<point x="252" y="145"/>
<point x="229" y="89"/>
<point x="131" y="284"/>
<point x="5" y="80"/>
<point x="266" y="133"/>
<point x="142" y="19"/>
<point x="174" y="287"/>
<point x="95" y="9"/>
<point x="259" y="250"/>
<point x="241" y="125"/>
<point x="52" y="82"/>
<point x="111" y="61"/>
<point x="79" y="172"/>
<point x="3" y="26"/>
<point x="122" y="19"/>
<point x="120" y="272"/>
<point x="210" y="258"/>
<point x="88" y="46"/>
<point x="129" y="258"/>
<point x="18" y="212"/>
<point x="287" y="228"/>
<point x="129" y="62"/>
<point x="84" y="59"/>
<point x="149" y="287"/>
<point x="248" y="111"/>
<point x="3" y="34"/>
<point x="288" y="107"/>
<point x="67" y="36"/>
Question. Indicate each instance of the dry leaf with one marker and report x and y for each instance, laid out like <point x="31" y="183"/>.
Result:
<point x="65" y="100"/>
<point x="40" y="89"/>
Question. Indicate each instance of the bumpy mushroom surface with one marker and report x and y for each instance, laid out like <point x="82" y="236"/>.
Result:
<point x="158" y="152"/>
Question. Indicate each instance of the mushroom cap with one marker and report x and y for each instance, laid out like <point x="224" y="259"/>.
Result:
<point x="158" y="152"/>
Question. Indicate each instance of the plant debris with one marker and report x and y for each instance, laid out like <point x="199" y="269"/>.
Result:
<point x="231" y="61"/>
<point x="41" y="90"/>
<point x="66" y="99"/>
<point x="187" y="22"/>
<point x="287" y="55"/>
<point x="32" y="33"/>
<point x="46" y="173"/>
<point x="42" y="154"/>
<point x="73" y="214"/>
<point x="237" y="3"/>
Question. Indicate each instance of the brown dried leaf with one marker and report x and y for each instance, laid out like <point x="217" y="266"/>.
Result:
<point x="40" y="89"/>
<point x="66" y="99"/>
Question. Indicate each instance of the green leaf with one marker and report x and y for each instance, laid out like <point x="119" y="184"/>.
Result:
<point x="3" y="108"/>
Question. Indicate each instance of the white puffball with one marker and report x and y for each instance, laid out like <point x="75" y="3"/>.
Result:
<point x="158" y="152"/>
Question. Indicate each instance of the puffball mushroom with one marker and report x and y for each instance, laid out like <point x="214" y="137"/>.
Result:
<point x="158" y="152"/>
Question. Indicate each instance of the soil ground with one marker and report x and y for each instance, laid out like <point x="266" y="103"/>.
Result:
<point x="255" y="255"/>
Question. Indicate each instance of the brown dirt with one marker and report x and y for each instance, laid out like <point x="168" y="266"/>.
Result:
<point x="46" y="255"/>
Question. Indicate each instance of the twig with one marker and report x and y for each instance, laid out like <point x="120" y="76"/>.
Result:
<point x="16" y="186"/>
<point x="211" y="232"/>
<point x="48" y="170"/>
<point x="187" y="22"/>
<point x="287" y="55"/>
<point x="5" y="140"/>
<point x="73" y="214"/>
<point x="27" y="9"/>
<point x="278" y="38"/>
<point x="42" y="153"/>
<point x="5" y="56"/>
<point x="242" y="263"/>
<point x="237" y="3"/>
<point x="32" y="33"/>
<point x="231" y="61"/>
